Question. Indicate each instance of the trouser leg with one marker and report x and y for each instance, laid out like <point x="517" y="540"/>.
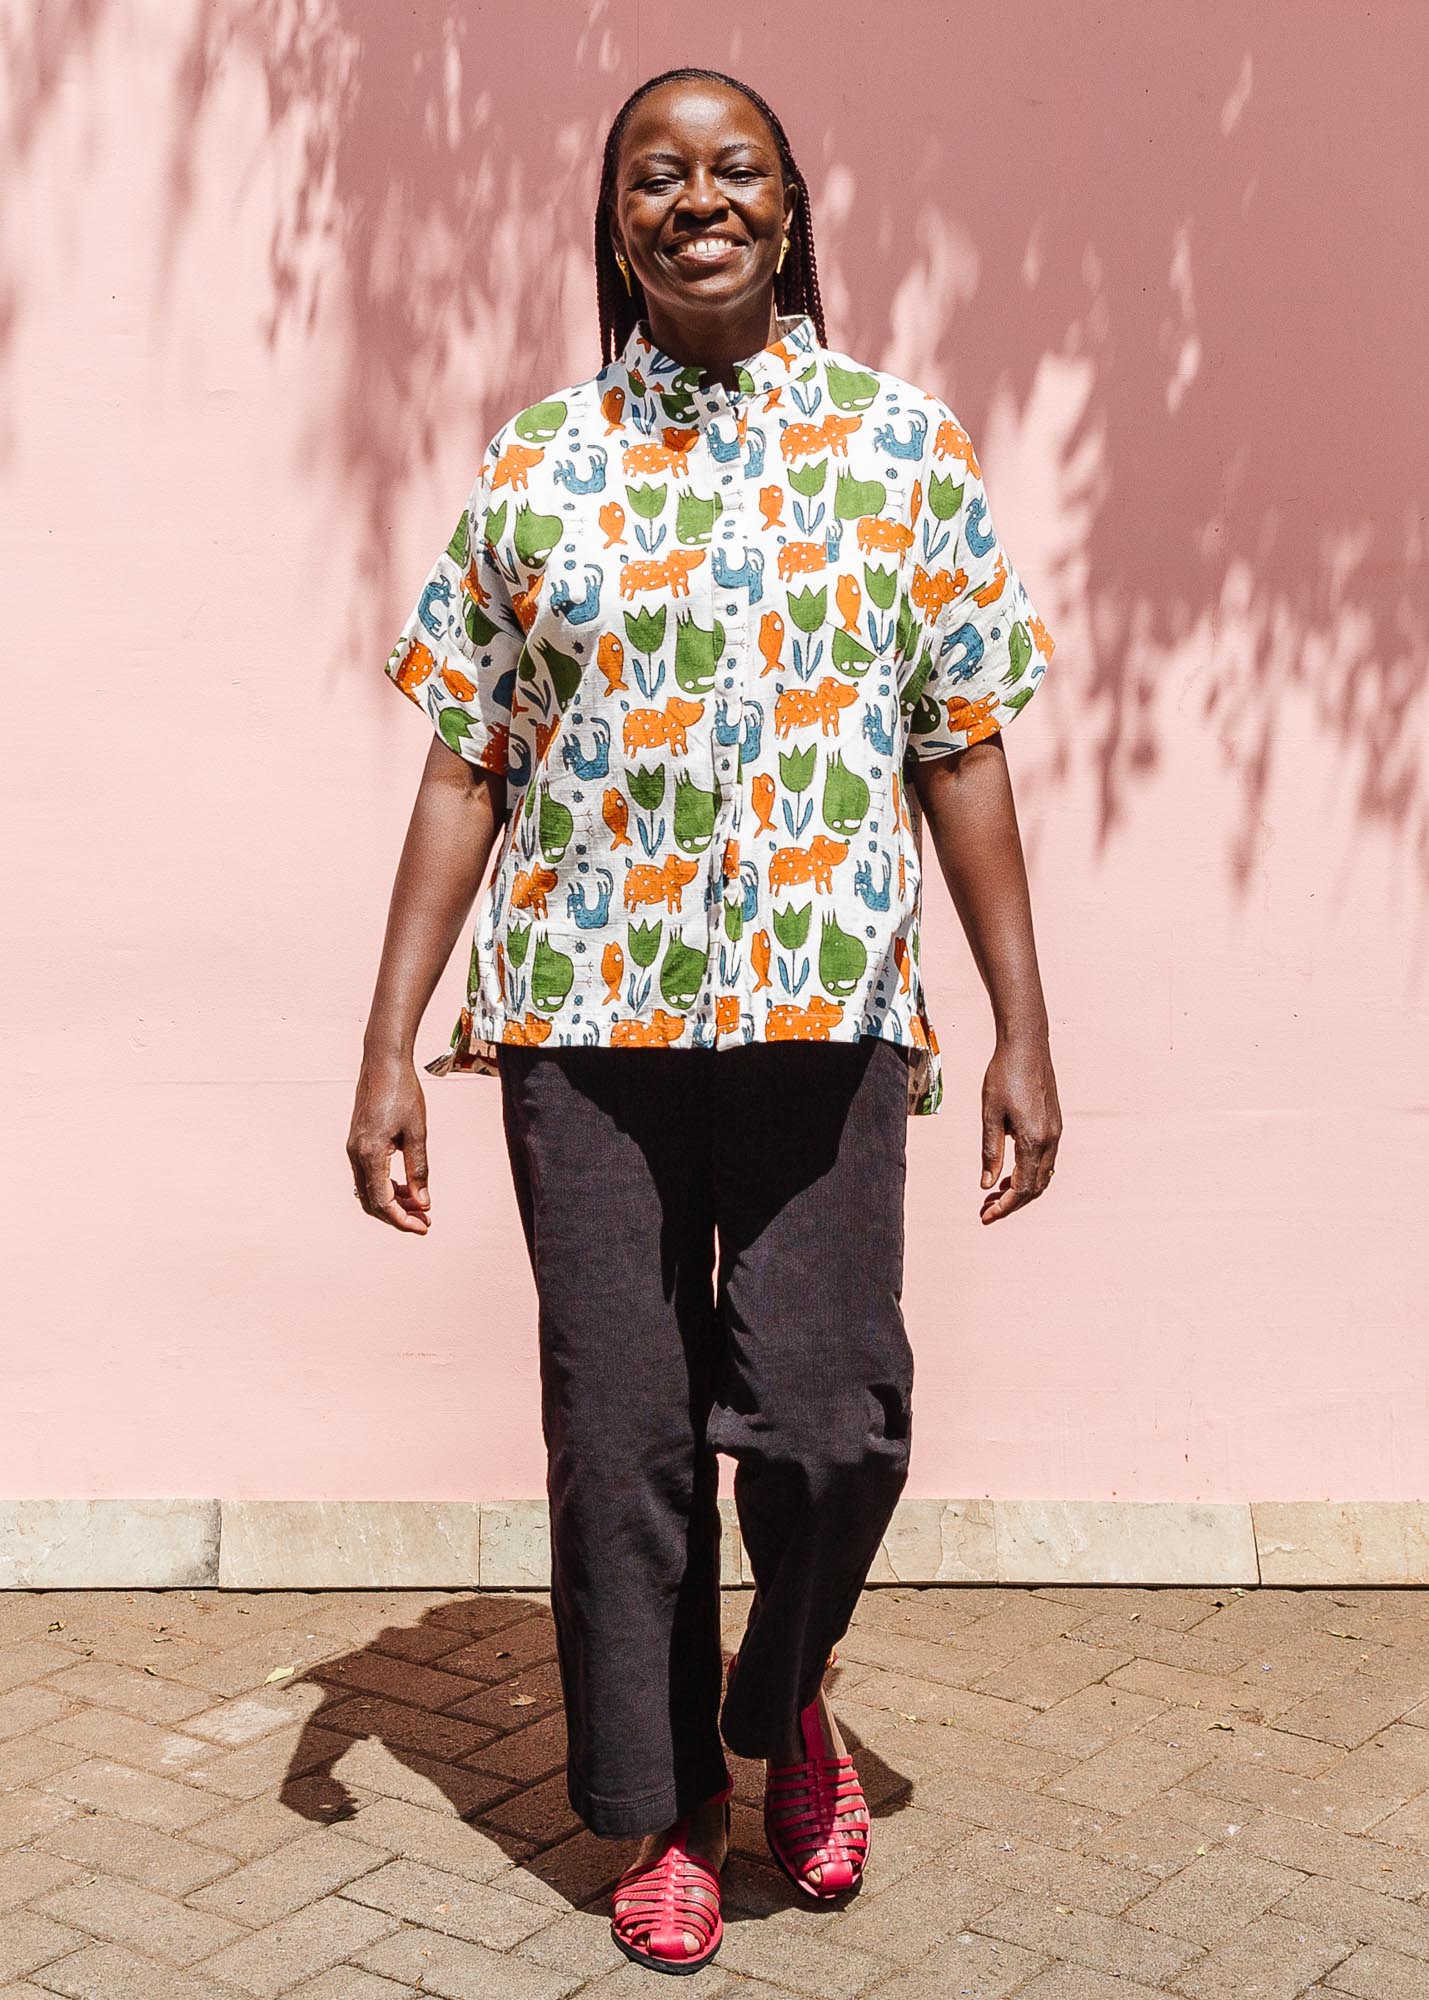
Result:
<point x="612" y="1181"/>
<point x="813" y="1400"/>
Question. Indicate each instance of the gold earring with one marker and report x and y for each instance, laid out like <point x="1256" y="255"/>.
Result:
<point x="783" y="252"/>
<point x="624" y="272"/>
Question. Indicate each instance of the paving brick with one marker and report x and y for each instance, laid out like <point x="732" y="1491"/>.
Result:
<point x="29" y="1941"/>
<point x="579" y="1943"/>
<point x="243" y="1668"/>
<point x="124" y="1913"/>
<point x="1269" y="1960"/>
<point x="813" y="1966"/>
<point x="405" y="1774"/>
<point x="1128" y="1773"/>
<point x="528" y="1755"/>
<point x="1050" y="1672"/>
<point x="1079" y="1982"/>
<point x="26" y="1875"/>
<point x="930" y="1659"/>
<point x="233" y="1723"/>
<point x="25" y="1708"/>
<point x="632" y="1982"/>
<point x="24" y="1816"/>
<point x="30" y="1660"/>
<point x="1085" y="1881"/>
<point x="158" y="1861"/>
<point x="1372" y="1973"/>
<point x="1322" y="1850"/>
<point x="1090" y="1719"/>
<point x="107" y="1972"/>
<point x="1214" y="1896"/>
<point x="401" y="1680"/>
<point x="443" y="1902"/>
<point x="533" y="1693"/>
<point x="1330" y="1800"/>
<point x="542" y="1813"/>
<point x="476" y="1615"/>
<point x="1032" y="1815"/>
<point x="132" y="1795"/>
<point x="458" y="1970"/>
<point x="269" y="1961"/>
<point x="260" y="1825"/>
<point x="979" y="1967"/>
<point x="506" y="1651"/>
<point x="902" y="1921"/>
<point x="271" y="1762"/>
<point x="438" y="1839"/>
<point x="345" y="1982"/>
<point x="1353" y="1709"/>
<point x="1164" y="1836"/>
<point x="446" y="1738"/>
<point x="132" y="1693"/>
<point x="1106" y="1944"/>
<point x="100" y="1732"/>
<point x="314" y="1865"/>
<point x="1359" y="1916"/>
<point x="1141" y="1640"/>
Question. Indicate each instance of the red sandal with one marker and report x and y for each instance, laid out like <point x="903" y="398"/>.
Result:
<point x="807" y="1808"/>
<point x="662" y="1911"/>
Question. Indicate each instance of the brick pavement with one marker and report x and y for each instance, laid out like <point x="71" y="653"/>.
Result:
<point x="1078" y="1794"/>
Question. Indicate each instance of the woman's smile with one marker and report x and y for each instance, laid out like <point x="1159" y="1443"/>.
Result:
<point x="711" y="250"/>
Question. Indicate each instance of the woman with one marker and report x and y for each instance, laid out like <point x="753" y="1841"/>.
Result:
<point x="700" y="616"/>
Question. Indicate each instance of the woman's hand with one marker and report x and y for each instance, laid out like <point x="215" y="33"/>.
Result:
<point x="1019" y="1095"/>
<point x="390" y="1116"/>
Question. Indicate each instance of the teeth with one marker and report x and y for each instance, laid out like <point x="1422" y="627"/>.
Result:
<point x="706" y="246"/>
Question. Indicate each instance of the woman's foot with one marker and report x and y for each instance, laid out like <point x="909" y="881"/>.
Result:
<point x="816" y="1816"/>
<point x="705" y="1837"/>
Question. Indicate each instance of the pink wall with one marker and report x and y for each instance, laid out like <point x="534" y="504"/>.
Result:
<point x="264" y="294"/>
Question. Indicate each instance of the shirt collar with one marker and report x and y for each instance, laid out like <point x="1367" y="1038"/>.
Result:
<point x="657" y="382"/>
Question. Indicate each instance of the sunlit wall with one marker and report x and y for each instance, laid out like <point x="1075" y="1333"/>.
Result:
<point x="270" y="275"/>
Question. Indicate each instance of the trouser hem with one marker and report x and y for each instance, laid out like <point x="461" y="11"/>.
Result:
<point x="630" y="1817"/>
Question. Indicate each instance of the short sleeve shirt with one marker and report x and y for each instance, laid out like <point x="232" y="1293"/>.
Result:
<point x="705" y="633"/>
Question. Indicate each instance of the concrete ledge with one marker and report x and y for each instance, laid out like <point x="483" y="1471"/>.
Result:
<point x="108" y="1544"/>
<point x="350" y="1544"/>
<point x="463" y="1545"/>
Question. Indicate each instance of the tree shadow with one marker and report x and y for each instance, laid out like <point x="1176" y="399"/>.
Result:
<point x="1166" y="267"/>
<point x="467" y="1700"/>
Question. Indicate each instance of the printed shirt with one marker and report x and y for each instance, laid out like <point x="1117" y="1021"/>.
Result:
<point x="705" y="633"/>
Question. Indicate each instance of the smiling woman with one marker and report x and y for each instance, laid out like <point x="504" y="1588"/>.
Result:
<point x="708" y="622"/>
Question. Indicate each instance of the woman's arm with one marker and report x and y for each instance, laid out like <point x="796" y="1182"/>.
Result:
<point x="459" y="812"/>
<point x="967" y="801"/>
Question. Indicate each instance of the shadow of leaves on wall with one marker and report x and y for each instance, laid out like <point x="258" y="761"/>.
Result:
<point x="1173" y="261"/>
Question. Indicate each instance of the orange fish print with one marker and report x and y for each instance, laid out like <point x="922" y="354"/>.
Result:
<point x="902" y="961"/>
<point x="612" y="522"/>
<point x="771" y="641"/>
<point x="771" y="506"/>
<point x="612" y="971"/>
<point x="616" y="813"/>
<point x="762" y="792"/>
<point x="610" y="658"/>
<point x="849" y="599"/>
<point x="612" y="408"/>
<point x="759" y="955"/>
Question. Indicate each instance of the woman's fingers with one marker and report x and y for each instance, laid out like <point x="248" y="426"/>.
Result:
<point x="390" y="1117"/>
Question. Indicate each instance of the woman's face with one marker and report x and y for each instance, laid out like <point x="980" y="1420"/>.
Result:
<point x="700" y="208"/>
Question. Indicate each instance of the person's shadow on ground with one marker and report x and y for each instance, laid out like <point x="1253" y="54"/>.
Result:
<point x="468" y="1700"/>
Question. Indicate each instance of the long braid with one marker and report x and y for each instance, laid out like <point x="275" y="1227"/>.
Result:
<point x="796" y="287"/>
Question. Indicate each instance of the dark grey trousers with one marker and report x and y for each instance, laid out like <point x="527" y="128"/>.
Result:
<point x="631" y="1168"/>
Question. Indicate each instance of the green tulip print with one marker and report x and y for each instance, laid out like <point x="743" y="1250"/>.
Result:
<point x="791" y="926"/>
<point x="796" y="768"/>
<point x="944" y="497"/>
<point x="643" y="941"/>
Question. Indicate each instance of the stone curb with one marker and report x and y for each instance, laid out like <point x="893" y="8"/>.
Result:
<point x="461" y="1545"/>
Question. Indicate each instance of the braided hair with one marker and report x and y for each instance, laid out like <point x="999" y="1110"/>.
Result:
<point x="796" y="286"/>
